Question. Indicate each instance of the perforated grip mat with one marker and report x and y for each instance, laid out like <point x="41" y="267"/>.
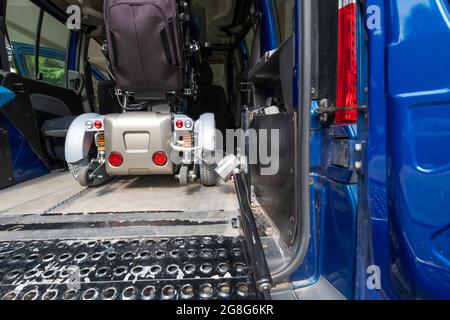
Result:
<point x="207" y="267"/>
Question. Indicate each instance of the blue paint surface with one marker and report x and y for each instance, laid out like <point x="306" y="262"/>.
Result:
<point x="332" y="245"/>
<point x="418" y="132"/>
<point x="97" y="74"/>
<point x="6" y="96"/>
<point x="26" y="164"/>
<point x="269" y="30"/>
<point x="338" y="236"/>
<point x="407" y="154"/>
<point x="72" y="50"/>
<point x="333" y="203"/>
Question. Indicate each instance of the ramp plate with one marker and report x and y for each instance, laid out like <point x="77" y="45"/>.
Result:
<point x="202" y="267"/>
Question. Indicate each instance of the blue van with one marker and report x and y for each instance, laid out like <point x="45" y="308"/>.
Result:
<point x="357" y="96"/>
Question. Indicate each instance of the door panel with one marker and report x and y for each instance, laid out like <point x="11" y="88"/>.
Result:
<point x="418" y="133"/>
<point x="37" y="47"/>
<point x="21" y="142"/>
<point x="19" y="111"/>
<point x="66" y="95"/>
<point x="47" y="74"/>
<point x="49" y="106"/>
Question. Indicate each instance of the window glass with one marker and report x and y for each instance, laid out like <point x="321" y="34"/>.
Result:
<point x="52" y="51"/>
<point x="22" y="21"/>
<point x="22" y="18"/>
<point x="286" y="18"/>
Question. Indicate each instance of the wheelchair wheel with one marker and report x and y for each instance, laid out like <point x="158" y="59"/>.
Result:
<point x="208" y="176"/>
<point x="83" y="174"/>
<point x="183" y="176"/>
<point x="84" y="177"/>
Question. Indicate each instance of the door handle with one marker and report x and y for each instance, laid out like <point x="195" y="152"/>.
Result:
<point x="76" y="81"/>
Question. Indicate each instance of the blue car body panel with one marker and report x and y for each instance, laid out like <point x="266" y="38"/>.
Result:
<point x="407" y="156"/>
<point x="334" y="207"/>
<point x="418" y="132"/>
<point x="26" y="164"/>
<point x="396" y="217"/>
<point x="331" y="252"/>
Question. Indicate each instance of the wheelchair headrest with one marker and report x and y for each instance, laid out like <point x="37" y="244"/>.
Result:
<point x="205" y="72"/>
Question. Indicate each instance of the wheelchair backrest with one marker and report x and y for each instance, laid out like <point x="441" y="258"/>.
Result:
<point x="145" y="45"/>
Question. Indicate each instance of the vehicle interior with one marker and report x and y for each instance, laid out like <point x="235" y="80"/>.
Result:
<point x="58" y="74"/>
<point x="57" y="92"/>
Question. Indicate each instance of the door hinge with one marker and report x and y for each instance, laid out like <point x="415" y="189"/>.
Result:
<point x="360" y="148"/>
<point x="327" y="111"/>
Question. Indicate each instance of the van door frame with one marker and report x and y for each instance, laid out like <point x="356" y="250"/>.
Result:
<point x="4" y="61"/>
<point x="302" y="93"/>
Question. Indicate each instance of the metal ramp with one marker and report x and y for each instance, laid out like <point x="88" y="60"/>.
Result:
<point x="61" y="243"/>
<point x="196" y="267"/>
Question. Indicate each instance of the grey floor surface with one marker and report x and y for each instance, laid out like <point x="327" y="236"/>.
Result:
<point x="122" y="194"/>
<point x="56" y="206"/>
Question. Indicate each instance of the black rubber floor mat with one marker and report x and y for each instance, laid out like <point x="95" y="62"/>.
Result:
<point x="131" y="269"/>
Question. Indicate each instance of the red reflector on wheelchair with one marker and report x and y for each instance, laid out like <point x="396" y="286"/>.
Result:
<point x="98" y="124"/>
<point x="160" y="158"/>
<point x="115" y="159"/>
<point x="179" y="124"/>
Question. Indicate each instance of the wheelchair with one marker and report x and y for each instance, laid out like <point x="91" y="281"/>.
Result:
<point x="151" y="57"/>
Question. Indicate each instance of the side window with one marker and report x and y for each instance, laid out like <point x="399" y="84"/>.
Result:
<point x="22" y="21"/>
<point x="22" y="18"/>
<point x="52" y="51"/>
<point x="286" y="18"/>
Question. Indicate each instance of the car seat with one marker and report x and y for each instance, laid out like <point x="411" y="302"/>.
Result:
<point x="211" y="98"/>
<point x="55" y="130"/>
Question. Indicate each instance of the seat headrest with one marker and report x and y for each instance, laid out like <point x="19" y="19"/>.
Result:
<point x="205" y="72"/>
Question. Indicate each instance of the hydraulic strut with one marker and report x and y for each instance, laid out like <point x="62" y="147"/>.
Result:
<point x="255" y="249"/>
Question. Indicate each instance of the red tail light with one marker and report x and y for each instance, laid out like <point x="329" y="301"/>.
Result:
<point x="160" y="158"/>
<point x="98" y="124"/>
<point x="179" y="124"/>
<point x="115" y="159"/>
<point x="346" y="94"/>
